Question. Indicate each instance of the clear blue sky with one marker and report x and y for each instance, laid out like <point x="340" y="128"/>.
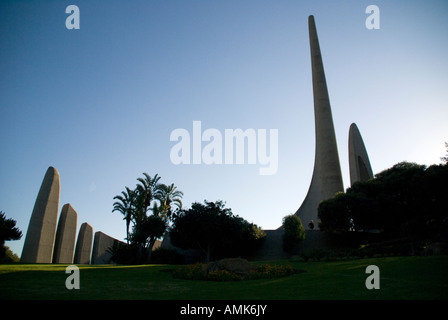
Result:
<point x="99" y="103"/>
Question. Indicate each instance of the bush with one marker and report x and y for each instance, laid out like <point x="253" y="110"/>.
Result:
<point x="7" y="256"/>
<point x="122" y="253"/>
<point x="293" y="232"/>
<point x="274" y="271"/>
<point x="219" y="271"/>
<point x="190" y="272"/>
<point x="166" y="256"/>
<point x="316" y="254"/>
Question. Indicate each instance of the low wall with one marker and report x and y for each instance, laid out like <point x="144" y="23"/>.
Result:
<point x="101" y="245"/>
<point x="271" y="249"/>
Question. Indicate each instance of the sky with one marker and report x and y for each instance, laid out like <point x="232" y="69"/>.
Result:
<point x="99" y="103"/>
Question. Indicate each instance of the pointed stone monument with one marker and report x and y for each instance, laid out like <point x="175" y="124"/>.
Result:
<point x="40" y="236"/>
<point x="84" y="244"/>
<point x="327" y="177"/>
<point x="64" y="245"/>
<point x="360" y="168"/>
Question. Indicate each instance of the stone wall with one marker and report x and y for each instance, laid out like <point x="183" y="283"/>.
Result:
<point x="101" y="245"/>
<point x="271" y="249"/>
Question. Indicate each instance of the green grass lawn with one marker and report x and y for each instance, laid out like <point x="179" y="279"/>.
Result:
<point x="400" y="278"/>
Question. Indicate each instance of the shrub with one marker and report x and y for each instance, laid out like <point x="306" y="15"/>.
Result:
<point x="203" y="272"/>
<point x="223" y="275"/>
<point x="190" y="272"/>
<point x="166" y="256"/>
<point x="7" y="256"/>
<point x="122" y="253"/>
<point x="293" y="232"/>
<point x="274" y="271"/>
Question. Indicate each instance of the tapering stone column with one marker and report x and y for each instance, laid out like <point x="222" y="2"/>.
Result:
<point x="39" y="241"/>
<point x="64" y="245"/>
<point x="84" y="244"/>
<point x="358" y="159"/>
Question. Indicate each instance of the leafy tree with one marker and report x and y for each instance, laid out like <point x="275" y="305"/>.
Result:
<point x="334" y="214"/>
<point x="293" y="232"/>
<point x="8" y="232"/>
<point x="8" y="229"/>
<point x="213" y="229"/>
<point x="397" y="202"/>
<point x="147" y="232"/>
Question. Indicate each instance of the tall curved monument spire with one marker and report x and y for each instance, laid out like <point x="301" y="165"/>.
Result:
<point x="327" y="177"/>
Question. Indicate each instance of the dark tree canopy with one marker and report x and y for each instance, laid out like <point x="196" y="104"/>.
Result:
<point x="8" y="229"/>
<point x="8" y="232"/>
<point x="213" y="229"/>
<point x="394" y="202"/>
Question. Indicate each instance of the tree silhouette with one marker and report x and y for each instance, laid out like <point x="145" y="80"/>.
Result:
<point x="126" y="206"/>
<point x="8" y="232"/>
<point x="214" y="230"/>
<point x="149" y="208"/>
<point x="8" y="229"/>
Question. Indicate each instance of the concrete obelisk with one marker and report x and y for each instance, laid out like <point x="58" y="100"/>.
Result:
<point x="84" y="244"/>
<point x="39" y="241"/>
<point x="327" y="177"/>
<point x="64" y="245"/>
<point x="359" y="163"/>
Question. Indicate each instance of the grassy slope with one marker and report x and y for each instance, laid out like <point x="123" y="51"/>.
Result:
<point x="401" y="278"/>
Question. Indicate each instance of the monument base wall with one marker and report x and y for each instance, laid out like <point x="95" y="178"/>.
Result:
<point x="101" y="245"/>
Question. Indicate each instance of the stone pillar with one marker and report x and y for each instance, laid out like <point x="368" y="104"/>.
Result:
<point x="64" y="245"/>
<point x="84" y="244"/>
<point x="40" y="236"/>
<point x="358" y="159"/>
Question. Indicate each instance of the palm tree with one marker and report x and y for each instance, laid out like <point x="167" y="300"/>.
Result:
<point x="134" y="205"/>
<point x="126" y="205"/>
<point x="146" y="190"/>
<point x="167" y="195"/>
